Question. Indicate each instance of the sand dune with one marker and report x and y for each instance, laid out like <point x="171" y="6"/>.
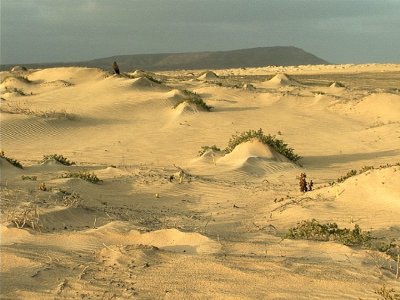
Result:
<point x="165" y="221"/>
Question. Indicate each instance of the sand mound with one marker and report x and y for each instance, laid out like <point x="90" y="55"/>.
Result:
<point x="186" y="108"/>
<point x="140" y="73"/>
<point x="209" y="75"/>
<point x="384" y="107"/>
<point x="146" y="83"/>
<point x="279" y="80"/>
<point x="56" y="83"/>
<point x="19" y="69"/>
<point x="252" y="149"/>
<point x="51" y="163"/>
<point x="74" y="75"/>
<point x="336" y="85"/>
<point x="177" y="241"/>
<point x="175" y="95"/>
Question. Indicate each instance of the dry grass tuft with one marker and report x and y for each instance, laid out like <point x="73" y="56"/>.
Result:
<point x="25" y="216"/>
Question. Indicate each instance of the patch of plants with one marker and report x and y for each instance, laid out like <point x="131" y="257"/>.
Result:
<point x="25" y="216"/>
<point x="194" y="98"/>
<point x="59" y="158"/>
<point x="364" y="169"/>
<point x="313" y="230"/>
<point x="50" y="114"/>
<point x="204" y="149"/>
<point x="85" y="175"/>
<point x="387" y="293"/>
<point x="270" y="140"/>
<point x="71" y="199"/>
<point x="12" y="161"/>
<point x="26" y="177"/>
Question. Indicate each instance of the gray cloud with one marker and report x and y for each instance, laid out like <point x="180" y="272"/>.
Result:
<point x="61" y="30"/>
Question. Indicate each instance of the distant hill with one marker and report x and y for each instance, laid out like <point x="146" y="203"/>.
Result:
<point x="254" y="57"/>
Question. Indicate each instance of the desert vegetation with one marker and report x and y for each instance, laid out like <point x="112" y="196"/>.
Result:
<point x="194" y="98"/>
<point x="47" y="114"/>
<point x="12" y="161"/>
<point x="85" y="175"/>
<point x="313" y="230"/>
<point x="59" y="158"/>
<point x="23" y="216"/>
<point x="270" y="140"/>
<point x="364" y="169"/>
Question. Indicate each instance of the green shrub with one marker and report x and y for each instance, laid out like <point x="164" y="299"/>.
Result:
<point x="204" y="149"/>
<point x="12" y="161"/>
<point x="313" y="230"/>
<point x="191" y="97"/>
<point x="85" y="175"/>
<point x="61" y="159"/>
<point x="270" y="140"/>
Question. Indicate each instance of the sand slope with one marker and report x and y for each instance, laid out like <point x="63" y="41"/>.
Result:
<point x="166" y="223"/>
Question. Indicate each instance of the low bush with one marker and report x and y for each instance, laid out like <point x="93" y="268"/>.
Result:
<point x="12" y="161"/>
<point x="61" y="159"/>
<point x="387" y="293"/>
<point x="313" y="230"/>
<point x="270" y="140"/>
<point x="85" y="175"/>
<point x="25" y="216"/>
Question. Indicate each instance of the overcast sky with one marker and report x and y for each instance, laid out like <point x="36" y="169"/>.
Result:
<point x="339" y="31"/>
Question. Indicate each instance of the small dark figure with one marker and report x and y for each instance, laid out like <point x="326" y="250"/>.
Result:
<point x="310" y="185"/>
<point x="171" y="178"/>
<point x="303" y="183"/>
<point x="115" y="67"/>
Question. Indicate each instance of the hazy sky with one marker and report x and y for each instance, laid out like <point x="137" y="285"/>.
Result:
<point x="340" y="31"/>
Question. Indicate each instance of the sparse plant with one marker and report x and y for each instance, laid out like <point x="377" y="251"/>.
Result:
<point x="25" y="216"/>
<point x="204" y="149"/>
<point x="42" y="187"/>
<point x="153" y="79"/>
<point x="58" y="157"/>
<point x="12" y="161"/>
<point x="303" y="182"/>
<point x="71" y="199"/>
<point x="49" y="114"/>
<point x="270" y="140"/>
<point x="361" y="171"/>
<point x="313" y="230"/>
<point x="387" y="293"/>
<point x="85" y="175"/>
<point x="304" y="185"/>
<point x="194" y="98"/>
<point x="25" y="177"/>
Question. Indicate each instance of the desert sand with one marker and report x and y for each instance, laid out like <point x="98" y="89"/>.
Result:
<point x="166" y="223"/>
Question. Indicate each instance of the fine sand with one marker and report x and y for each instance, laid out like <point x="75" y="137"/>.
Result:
<point x="166" y="223"/>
